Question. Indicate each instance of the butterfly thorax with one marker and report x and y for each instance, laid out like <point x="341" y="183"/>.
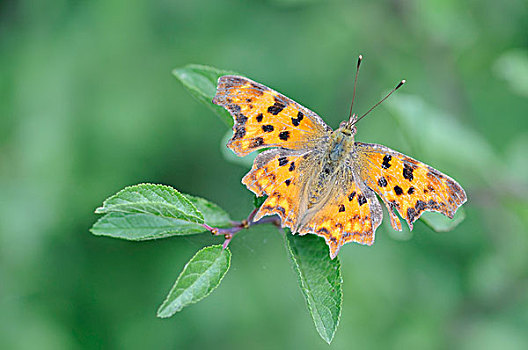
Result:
<point x="337" y="151"/>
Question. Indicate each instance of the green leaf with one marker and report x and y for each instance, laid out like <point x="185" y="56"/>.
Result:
<point x="202" y="274"/>
<point x="320" y="281"/>
<point x="213" y="215"/>
<point x="441" y="223"/>
<point x="152" y="199"/>
<point x="141" y="227"/>
<point x="201" y="82"/>
<point x="148" y="211"/>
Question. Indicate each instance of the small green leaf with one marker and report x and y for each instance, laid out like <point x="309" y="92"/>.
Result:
<point x="152" y="199"/>
<point x="148" y="211"/>
<point x="201" y="82"/>
<point x="441" y="223"/>
<point x="320" y="281"/>
<point x="202" y="274"/>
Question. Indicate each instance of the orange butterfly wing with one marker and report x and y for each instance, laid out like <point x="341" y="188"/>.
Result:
<point x="279" y="174"/>
<point x="264" y="118"/>
<point x="352" y="214"/>
<point x="407" y="185"/>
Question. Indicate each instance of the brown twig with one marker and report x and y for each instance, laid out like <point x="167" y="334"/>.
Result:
<point x="238" y="226"/>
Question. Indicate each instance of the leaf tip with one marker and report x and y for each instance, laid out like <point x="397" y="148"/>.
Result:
<point x="162" y="313"/>
<point x="177" y="72"/>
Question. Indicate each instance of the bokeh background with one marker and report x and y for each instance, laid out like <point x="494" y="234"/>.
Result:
<point x="88" y="105"/>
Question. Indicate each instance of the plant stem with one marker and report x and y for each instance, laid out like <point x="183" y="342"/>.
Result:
<point x="238" y="226"/>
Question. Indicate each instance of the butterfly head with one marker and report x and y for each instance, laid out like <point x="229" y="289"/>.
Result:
<point x="348" y="127"/>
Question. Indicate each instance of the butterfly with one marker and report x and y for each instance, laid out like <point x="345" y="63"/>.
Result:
<point x="320" y="180"/>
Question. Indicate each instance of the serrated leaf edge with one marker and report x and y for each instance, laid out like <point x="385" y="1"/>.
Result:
<point x="104" y="210"/>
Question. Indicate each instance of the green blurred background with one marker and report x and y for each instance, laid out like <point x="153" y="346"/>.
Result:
<point x="88" y="105"/>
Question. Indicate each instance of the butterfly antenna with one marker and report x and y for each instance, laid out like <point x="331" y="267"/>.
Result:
<point x="355" y="82"/>
<point x="383" y="99"/>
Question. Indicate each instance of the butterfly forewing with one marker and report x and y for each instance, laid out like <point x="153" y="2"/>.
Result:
<point x="407" y="185"/>
<point x="264" y="118"/>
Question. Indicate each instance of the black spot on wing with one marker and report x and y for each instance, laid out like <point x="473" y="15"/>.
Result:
<point x="259" y="117"/>
<point x="277" y="107"/>
<point x="283" y="161"/>
<point x="287" y="182"/>
<point x="408" y="172"/>
<point x="267" y="128"/>
<point x="361" y="200"/>
<point x="341" y="208"/>
<point x="297" y="121"/>
<point x="382" y="182"/>
<point x="284" y="135"/>
<point x="386" y="161"/>
<point x="351" y="196"/>
<point x="241" y="119"/>
<point x="292" y="166"/>
<point x="398" y="190"/>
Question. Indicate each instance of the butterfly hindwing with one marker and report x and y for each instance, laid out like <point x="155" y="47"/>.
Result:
<point x="264" y="118"/>
<point x="351" y="214"/>
<point x="407" y="185"/>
